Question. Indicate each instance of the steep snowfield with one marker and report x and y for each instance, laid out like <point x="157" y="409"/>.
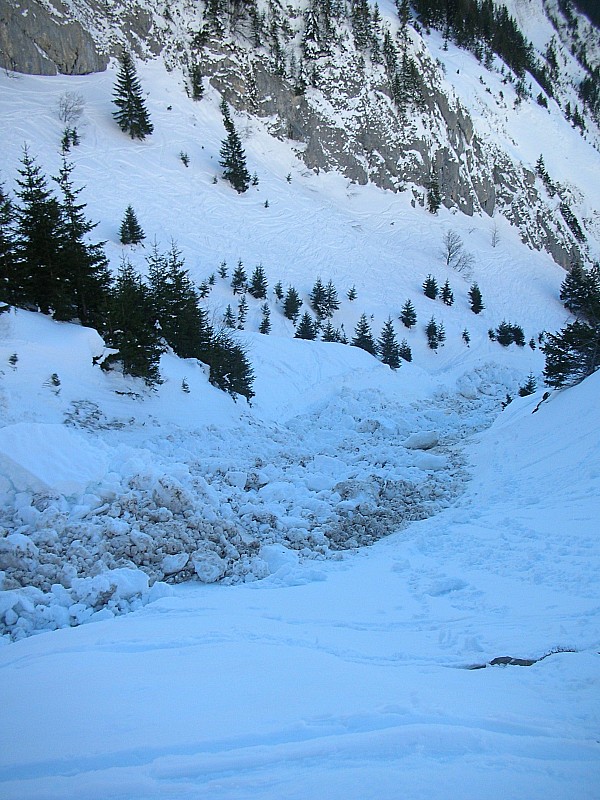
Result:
<point x="315" y="667"/>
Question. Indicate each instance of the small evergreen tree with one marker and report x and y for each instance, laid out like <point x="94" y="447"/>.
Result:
<point x="528" y="387"/>
<point x="432" y="334"/>
<point x="258" y="283"/>
<point x="265" y="323"/>
<point x="131" y="231"/>
<point x="329" y="333"/>
<point x="475" y="299"/>
<point x="306" y="328"/>
<point x="363" y="336"/>
<point x="242" y="312"/>
<point x="278" y="290"/>
<point x="317" y="298"/>
<point x="131" y="330"/>
<point x="351" y="294"/>
<point x="446" y="294"/>
<point x="131" y="115"/>
<point x="239" y="279"/>
<point x="223" y="269"/>
<point x="430" y="287"/>
<point x="331" y="301"/>
<point x="233" y="158"/>
<point x="8" y="267"/>
<point x="466" y="337"/>
<point x="229" y="318"/>
<point x="230" y="369"/>
<point x="292" y="304"/>
<point x="196" y="82"/>
<point x="572" y="354"/>
<point x="408" y="315"/>
<point x="389" y="351"/>
<point x="405" y="351"/>
<point x="434" y="198"/>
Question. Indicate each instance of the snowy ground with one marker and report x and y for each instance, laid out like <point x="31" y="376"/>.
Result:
<point x="296" y="663"/>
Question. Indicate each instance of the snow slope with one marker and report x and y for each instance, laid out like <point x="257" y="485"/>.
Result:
<point x="267" y="653"/>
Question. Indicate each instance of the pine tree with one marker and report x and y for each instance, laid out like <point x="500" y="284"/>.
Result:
<point x="131" y="231"/>
<point x="239" y="279"/>
<point x="363" y="336"/>
<point x="8" y="268"/>
<point x="131" y="115"/>
<point x="389" y="352"/>
<point x="331" y="301"/>
<point x="572" y="354"/>
<point x="466" y="337"/>
<point x="580" y="292"/>
<point x="230" y="369"/>
<point x="329" y="333"/>
<point x="265" y="323"/>
<point x="446" y="294"/>
<point x="131" y="330"/>
<point x="229" y="317"/>
<point x="351" y="293"/>
<point x="430" y="287"/>
<point x="278" y="290"/>
<point x="292" y="304"/>
<point x="434" y="198"/>
<point x="196" y="83"/>
<point x="242" y="312"/>
<point x="85" y="265"/>
<point x="405" y="351"/>
<point x="233" y="158"/>
<point x="39" y="241"/>
<point x="408" y="315"/>
<point x="475" y="299"/>
<point x="529" y="387"/>
<point x="317" y="298"/>
<point x="432" y="334"/>
<point x="258" y="283"/>
<point x="306" y="328"/>
<point x="223" y="269"/>
<point x="176" y="306"/>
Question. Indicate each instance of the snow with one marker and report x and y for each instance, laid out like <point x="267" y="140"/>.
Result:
<point x="246" y="642"/>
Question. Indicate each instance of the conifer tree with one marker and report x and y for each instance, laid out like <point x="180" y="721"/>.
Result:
<point x="363" y="336"/>
<point x="197" y="86"/>
<point x="8" y="268"/>
<point x="233" y="158"/>
<point x="292" y="304"/>
<point x="131" y="115"/>
<point x="405" y="351"/>
<point x="434" y="198"/>
<point x="39" y="241"/>
<point x="265" y="323"/>
<point x="239" y="279"/>
<point x="580" y="292"/>
<point x="430" y="287"/>
<point x="317" y="298"/>
<point x="230" y="369"/>
<point x="408" y="315"/>
<point x="331" y="301"/>
<point x="529" y="387"/>
<point x="466" y="337"/>
<point x="85" y="266"/>
<point x="475" y="299"/>
<point x="329" y="333"/>
<point x="278" y="290"/>
<point x="572" y="354"/>
<point x="131" y="330"/>
<point x="389" y="352"/>
<point x="446" y="294"/>
<point x="351" y="293"/>
<point x="258" y="283"/>
<point x="131" y="231"/>
<point x="223" y="269"/>
<point x="242" y="312"/>
<point x="229" y="317"/>
<point x="306" y="328"/>
<point x="432" y="334"/>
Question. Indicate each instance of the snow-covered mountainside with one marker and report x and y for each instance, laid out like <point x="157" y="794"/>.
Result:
<point x="365" y="582"/>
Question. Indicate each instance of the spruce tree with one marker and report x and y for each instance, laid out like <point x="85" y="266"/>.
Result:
<point x="572" y="354"/>
<point x="230" y="369"/>
<point x="317" y="298"/>
<point x="265" y="323"/>
<point x="466" y="337"/>
<point x="430" y="287"/>
<point x="306" y="328"/>
<point x="229" y="319"/>
<point x="196" y="83"/>
<point x="408" y="315"/>
<point x="446" y="294"/>
<point x="39" y="241"/>
<point x="278" y="290"/>
<point x="84" y="264"/>
<point x="389" y="352"/>
<point x="405" y="351"/>
<point x="131" y="231"/>
<point x="434" y="198"/>
<point x="239" y="279"/>
<point x="529" y="387"/>
<point x="329" y="333"/>
<point x="8" y="268"/>
<point x="131" y="330"/>
<point x="258" y="283"/>
<point x="242" y="312"/>
<point x="580" y="292"/>
<point x="363" y="336"/>
<point x="131" y="115"/>
<point x="233" y="158"/>
<point x="475" y="299"/>
<point x="432" y="334"/>
<point x="351" y="294"/>
<point x="292" y="304"/>
<point x="331" y="301"/>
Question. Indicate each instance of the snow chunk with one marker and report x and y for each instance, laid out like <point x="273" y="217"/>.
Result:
<point x="422" y="440"/>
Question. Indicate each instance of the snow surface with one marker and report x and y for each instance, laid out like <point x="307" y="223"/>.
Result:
<point x="267" y="653"/>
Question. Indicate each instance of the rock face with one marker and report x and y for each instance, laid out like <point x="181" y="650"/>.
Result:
<point x="38" y="42"/>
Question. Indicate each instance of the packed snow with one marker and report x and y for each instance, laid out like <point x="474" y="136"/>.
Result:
<point x="365" y="584"/>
